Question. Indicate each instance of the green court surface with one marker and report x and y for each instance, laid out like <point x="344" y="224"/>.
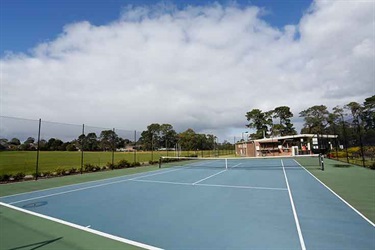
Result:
<point x="22" y="231"/>
<point x="354" y="184"/>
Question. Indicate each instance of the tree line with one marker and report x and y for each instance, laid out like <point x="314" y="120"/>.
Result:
<point x="156" y="137"/>
<point x="354" y="123"/>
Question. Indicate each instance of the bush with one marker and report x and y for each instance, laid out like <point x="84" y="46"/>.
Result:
<point x="19" y="176"/>
<point x="110" y="165"/>
<point x="135" y="164"/>
<point x="153" y="162"/>
<point x="90" y="167"/>
<point x="372" y="166"/>
<point x="73" y="170"/>
<point x="59" y="171"/>
<point x="5" y="177"/>
<point x="123" y="164"/>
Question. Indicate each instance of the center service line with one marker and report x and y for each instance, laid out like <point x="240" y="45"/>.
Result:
<point x="209" y="177"/>
<point x="301" y="240"/>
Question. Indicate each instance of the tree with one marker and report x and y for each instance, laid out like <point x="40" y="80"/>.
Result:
<point x="260" y="121"/>
<point x="54" y="144"/>
<point x="91" y="142"/>
<point x="369" y="113"/>
<point x="284" y="127"/>
<point x="15" y="142"/>
<point x="316" y="119"/>
<point x="108" y="139"/>
<point x="168" y="136"/>
<point x="150" y="138"/>
<point x="189" y="140"/>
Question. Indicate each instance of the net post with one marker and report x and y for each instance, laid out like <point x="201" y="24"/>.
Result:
<point x="322" y="162"/>
<point x="160" y="162"/>
<point x="226" y="163"/>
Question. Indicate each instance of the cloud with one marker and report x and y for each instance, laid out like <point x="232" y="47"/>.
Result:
<point x="201" y="67"/>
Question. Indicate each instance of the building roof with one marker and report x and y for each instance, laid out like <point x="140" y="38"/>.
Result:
<point x="274" y="139"/>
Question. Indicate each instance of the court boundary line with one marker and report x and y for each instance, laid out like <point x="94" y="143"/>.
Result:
<point x="299" y="231"/>
<point x="82" y="228"/>
<point x="76" y="184"/>
<point x="84" y="188"/>
<point x="338" y="196"/>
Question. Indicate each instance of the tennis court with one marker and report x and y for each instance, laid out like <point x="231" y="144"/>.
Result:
<point x="208" y="204"/>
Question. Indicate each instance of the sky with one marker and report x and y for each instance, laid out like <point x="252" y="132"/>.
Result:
<point x="192" y="64"/>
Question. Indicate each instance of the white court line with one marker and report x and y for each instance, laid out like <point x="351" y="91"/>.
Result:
<point x="89" y="187"/>
<point x="165" y="182"/>
<point x="76" y="184"/>
<point x="235" y="165"/>
<point x="86" y="229"/>
<point x="212" y="185"/>
<point x="301" y="240"/>
<point x="338" y="196"/>
<point x="209" y="177"/>
<point x="143" y="176"/>
<point x="242" y="187"/>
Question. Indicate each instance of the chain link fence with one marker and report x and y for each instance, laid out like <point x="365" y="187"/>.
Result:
<point x="37" y="148"/>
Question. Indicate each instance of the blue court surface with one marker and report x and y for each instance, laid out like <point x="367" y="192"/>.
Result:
<point x="245" y="206"/>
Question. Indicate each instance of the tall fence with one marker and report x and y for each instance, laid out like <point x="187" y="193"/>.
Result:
<point x="40" y="148"/>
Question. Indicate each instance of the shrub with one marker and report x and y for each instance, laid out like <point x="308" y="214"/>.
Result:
<point x="123" y="164"/>
<point x="90" y="167"/>
<point x="45" y="174"/>
<point x="5" y="177"/>
<point x="19" y="176"/>
<point x="110" y="165"/>
<point x="59" y="171"/>
<point x="134" y="164"/>
<point x="372" y="166"/>
<point x="73" y="170"/>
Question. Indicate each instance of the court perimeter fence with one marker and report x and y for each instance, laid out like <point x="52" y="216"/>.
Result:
<point x="68" y="147"/>
<point x="38" y="148"/>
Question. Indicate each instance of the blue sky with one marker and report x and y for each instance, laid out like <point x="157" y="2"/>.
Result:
<point x="25" y="23"/>
<point x="192" y="64"/>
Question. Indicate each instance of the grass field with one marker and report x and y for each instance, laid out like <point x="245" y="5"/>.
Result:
<point x="13" y="162"/>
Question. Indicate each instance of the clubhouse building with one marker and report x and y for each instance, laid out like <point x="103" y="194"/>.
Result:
<point x="286" y="145"/>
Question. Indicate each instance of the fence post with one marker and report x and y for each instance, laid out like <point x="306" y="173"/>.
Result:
<point x="82" y="144"/>
<point x="37" y="152"/>
<point x="113" y="147"/>
<point x="135" y="146"/>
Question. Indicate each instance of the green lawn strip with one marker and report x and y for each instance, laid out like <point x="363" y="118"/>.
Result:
<point x="19" y="230"/>
<point x="12" y="162"/>
<point x="353" y="183"/>
<point x="28" y="186"/>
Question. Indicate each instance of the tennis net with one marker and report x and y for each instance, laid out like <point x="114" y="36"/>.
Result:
<point x="245" y="163"/>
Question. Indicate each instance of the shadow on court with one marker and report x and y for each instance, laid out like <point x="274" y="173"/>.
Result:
<point x="37" y="245"/>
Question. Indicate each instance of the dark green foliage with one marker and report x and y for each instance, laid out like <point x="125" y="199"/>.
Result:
<point x="122" y="164"/>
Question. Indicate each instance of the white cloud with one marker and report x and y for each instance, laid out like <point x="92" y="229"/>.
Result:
<point x="200" y="67"/>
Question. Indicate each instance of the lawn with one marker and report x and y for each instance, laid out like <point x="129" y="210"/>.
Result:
<point x="13" y="162"/>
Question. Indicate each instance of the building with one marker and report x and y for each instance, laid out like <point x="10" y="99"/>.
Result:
<point x="287" y="145"/>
